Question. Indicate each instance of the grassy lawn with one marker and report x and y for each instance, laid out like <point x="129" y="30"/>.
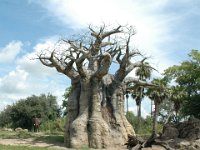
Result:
<point x="8" y="147"/>
<point x="44" y="137"/>
<point x="50" y="138"/>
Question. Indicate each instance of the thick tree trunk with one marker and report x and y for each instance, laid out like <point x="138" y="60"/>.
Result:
<point x="96" y="115"/>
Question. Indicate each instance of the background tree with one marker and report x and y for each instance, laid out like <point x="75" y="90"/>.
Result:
<point x="20" y="114"/>
<point x="146" y="124"/>
<point x="187" y="76"/>
<point x="144" y="73"/>
<point x="170" y="108"/>
<point x="157" y="94"/>
<point x="96" y="105"/>
<point x="66" y="96"/>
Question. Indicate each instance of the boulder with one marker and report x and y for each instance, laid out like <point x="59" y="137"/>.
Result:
<point x="185" y="130"/>
<point x="25" y="130"/>
<point x="7" y="129"/>
<point x="189" y="129"/>
<point x="18" y="129"/>
<point x="170" y="132"/>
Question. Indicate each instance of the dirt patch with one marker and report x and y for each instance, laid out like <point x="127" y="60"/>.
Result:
<point x="35" y="143"/>
<point x="31" y="142"/>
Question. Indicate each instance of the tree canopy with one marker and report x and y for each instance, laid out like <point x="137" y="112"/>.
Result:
<point x="20" y="114"/>
<point x="186" y="76"/>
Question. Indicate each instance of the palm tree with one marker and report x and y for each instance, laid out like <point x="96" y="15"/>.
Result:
<point x="157" y="94"/>
<point x="176" y="96"/>
<point x="144" y="73"/>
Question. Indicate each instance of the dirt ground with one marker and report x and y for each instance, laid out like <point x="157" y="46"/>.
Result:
<point x="31" y="142"/>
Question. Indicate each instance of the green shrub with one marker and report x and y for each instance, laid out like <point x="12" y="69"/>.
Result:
<point x="53" y="126"/>
<point x="144" y="128"/>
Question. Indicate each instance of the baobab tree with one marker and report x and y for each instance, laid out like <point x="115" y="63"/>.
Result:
<point x="96" y="115"/>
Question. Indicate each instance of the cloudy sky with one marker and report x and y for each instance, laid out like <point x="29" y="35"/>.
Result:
<point x="166" y="31"/>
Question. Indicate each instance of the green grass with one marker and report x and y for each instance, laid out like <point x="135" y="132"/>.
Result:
<point x="8" y="147"/>
<point x="51" y="138"/>
<point x="14" y="135"/>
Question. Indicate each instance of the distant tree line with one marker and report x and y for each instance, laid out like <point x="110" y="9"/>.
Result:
<point x="20" y="114"/>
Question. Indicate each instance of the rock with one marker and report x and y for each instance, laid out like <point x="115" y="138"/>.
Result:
<point x="18" y="129"/>
<point x="157" y="147"/>
<point x="25" y="130"/>
<point x="182" y="136"/>
<point x="137" y="147"/>
<point x="147" y="148"/>
<point x="154" y="147"/>
<point x="185" y="130"/>
<point x="133" y="141"/>
<point x="170" y="132"/>
<point x="7" y="129"/>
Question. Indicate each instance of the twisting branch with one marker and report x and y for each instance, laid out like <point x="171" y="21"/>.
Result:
<point x="124" y="62"/>
<point x="59" y="63"/>
<point x="100" y="36"/>
<point x="106" y="60"/>
<point x="81" y="53"/>
<point x="116" y="30"/>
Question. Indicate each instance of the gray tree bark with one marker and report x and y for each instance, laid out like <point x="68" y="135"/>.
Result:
<point x="96" y="116"/>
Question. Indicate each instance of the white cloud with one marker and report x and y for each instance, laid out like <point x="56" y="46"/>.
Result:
<point x="14" y="82"/>
<point x="10" y="51"/>
<point x="31" y="77"/>
<point x="153" y="27"/>
<point x="31" y="64"/>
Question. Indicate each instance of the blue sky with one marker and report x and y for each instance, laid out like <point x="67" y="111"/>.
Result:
<point x="166" y="31"/>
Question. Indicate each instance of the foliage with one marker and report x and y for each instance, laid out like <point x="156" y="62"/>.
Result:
<point x="53" y="126"/>
<point x="187" y="74"/>
<point x="158" y="94"/>
<point x="192" y="106"/>
<point x="9" y="147"/>
<point x="66" y="95"/>
<point x="144" y="73"/>
<point x="20" y="114"/>
<point x="145" y="124"/>
<point x="187" y="77"/>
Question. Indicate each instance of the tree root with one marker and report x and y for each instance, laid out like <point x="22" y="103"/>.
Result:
<point x="135" y="143"/>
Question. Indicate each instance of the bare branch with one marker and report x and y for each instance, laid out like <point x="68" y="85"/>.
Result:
<point x="117" y="30"/>
<point x="104" y="66"/>
<point x="132" y="83"/>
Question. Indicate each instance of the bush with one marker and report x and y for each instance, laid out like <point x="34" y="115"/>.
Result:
<point x="21" y="113"/>
<point x="144" y="127"/>
<point x="53" y="126"/>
